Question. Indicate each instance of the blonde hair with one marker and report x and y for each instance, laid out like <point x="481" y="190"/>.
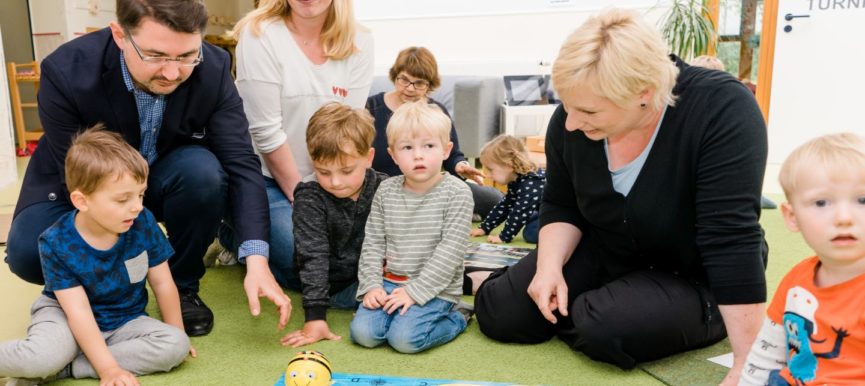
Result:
<point x="707" y="61"/>
<point x="97" y="154"/>
<point x="832" y="152"/>
<point x="413" y="118"/>
<point x="507" y="150"/>
<point x="617" y="55"/>
<point x="337" y="35"/>
<point x="418" y="62"/>
<point x="337" y="131"/>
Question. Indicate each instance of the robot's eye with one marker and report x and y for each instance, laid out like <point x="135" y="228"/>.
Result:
<point x="792" y="328"/>
<point x="293" y="374"/>
<point x="310" y="375"/>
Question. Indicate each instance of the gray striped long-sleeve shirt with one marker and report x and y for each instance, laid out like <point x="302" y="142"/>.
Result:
<point x="423" y="237"/>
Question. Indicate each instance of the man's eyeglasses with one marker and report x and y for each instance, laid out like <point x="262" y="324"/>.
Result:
<point x="185" y="61"/>
<point x="419" y="84"/>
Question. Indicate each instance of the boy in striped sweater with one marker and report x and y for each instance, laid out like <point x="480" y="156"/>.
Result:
<point x="411" y="265"/>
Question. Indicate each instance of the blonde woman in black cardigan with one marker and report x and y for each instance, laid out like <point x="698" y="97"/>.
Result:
<point x="650" y="243"/>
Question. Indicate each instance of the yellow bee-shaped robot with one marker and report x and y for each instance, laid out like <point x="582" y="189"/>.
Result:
<point x="308" y="368"/>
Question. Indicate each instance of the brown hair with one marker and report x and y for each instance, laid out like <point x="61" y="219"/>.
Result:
<point x="507" y="150"/>
<point x="418" y="62"/>
<point x="97" y="154"/>
<point x="187" y="16"/>
<point x="337" y="129"/>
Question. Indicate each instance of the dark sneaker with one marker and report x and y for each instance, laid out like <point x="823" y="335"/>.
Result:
<point x="217" y="253"/>
<point x="197" y="317"/>
<point x="766" y="203"/>
<point x="466" y="309"/>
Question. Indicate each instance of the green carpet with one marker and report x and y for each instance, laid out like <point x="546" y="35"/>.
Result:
<point x="691" y="368"/>
<point x="243" y="350"/>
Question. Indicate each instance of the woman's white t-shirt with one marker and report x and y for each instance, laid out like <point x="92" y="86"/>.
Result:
<point x="281" y="88"/>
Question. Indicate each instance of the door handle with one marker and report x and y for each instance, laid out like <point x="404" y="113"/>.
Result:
<point x="791" y="16"/>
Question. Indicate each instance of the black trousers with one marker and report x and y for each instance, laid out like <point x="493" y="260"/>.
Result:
<point x="486" y="197"/>
<point x="640" y="316"/>
<point x="186" y="190"/>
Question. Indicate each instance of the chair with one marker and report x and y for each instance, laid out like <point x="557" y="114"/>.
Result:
<point x="19" y="74"/>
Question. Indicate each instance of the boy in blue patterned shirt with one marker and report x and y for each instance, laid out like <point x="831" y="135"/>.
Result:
<point x="90" y="320"/>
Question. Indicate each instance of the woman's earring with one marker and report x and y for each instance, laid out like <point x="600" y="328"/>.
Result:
<point x="643" y="106"/>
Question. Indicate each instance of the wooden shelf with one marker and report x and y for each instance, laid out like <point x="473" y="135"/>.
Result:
<point x="18" y="74"/>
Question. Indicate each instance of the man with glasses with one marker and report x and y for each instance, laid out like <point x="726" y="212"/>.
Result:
<point x="150" y="77"/>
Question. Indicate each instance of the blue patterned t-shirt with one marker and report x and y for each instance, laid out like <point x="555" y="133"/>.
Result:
<point x="113" y="279"/>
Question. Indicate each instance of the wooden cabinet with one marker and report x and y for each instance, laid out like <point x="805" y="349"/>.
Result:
<point x="19" y="76"/>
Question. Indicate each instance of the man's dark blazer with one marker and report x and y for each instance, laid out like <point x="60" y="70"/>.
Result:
<point x="82" y="84"/>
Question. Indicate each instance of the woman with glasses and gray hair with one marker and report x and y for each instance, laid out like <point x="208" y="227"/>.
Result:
<point x="650" y="241"/>
<point x="415" y="75"/>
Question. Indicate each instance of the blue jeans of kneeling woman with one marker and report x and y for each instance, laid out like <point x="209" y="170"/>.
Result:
<point x="281" y="259"/>
<point x="422" y="327"/>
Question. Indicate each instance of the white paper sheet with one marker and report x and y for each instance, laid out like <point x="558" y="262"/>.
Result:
<point x="725" y="360"/>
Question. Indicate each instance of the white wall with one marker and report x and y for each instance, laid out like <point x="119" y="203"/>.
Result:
<point x="8" y="169"/>
<point x="492" y="37"/>
<point x="55" y="22"/>
<point x="81" y="14"/>
<point x="491" y="44"/>
<point x="48" y="16"/>
<point x="70" y="18"/>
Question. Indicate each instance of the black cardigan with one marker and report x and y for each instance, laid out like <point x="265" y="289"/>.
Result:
<point x="695" y="206"/>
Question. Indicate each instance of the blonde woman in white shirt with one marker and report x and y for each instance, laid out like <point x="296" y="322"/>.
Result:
<point x="292" y="58"/>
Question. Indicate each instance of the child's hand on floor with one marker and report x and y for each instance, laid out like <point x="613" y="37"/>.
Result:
<point x="477" y="232"/>
<point x="313" y="331"/>
<point x="374" y="298"/>
<point x="398" y="298"/>
<point x="116" y="376"/>
<point x="495" y="239"/>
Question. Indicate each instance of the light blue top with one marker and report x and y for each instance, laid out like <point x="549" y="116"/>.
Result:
<point x="624" y="177"/>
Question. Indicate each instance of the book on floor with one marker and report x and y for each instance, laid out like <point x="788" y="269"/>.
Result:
<point x="484" y="255"/>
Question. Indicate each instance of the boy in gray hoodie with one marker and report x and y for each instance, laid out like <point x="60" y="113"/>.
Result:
<point x="330" y="211"/>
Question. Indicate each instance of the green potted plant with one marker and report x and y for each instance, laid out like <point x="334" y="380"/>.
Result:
<point x="688" y="28"/>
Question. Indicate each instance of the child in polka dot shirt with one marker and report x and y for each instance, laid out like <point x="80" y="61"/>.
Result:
<point x="507" y="162"/>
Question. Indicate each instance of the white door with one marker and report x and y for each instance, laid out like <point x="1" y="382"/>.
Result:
<point x="818" y="78"/>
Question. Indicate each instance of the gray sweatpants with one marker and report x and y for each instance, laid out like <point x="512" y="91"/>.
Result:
<point x="141" y="346"/>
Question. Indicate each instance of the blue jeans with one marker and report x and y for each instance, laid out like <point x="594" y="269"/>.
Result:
<point x="345" y="299"/>
<point x="186" y="190"/>
<point x="281" y="259"/>
<point x="422" y="327"/>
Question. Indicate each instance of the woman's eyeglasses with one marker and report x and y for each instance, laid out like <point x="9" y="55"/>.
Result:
<point x="419" y="84"/>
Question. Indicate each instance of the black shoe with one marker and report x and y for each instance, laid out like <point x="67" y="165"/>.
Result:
<point x="197" y="317"/>
<point x="467" y="310"/>
<point x="766" y="203"/>
<point x="468" y="282"/>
